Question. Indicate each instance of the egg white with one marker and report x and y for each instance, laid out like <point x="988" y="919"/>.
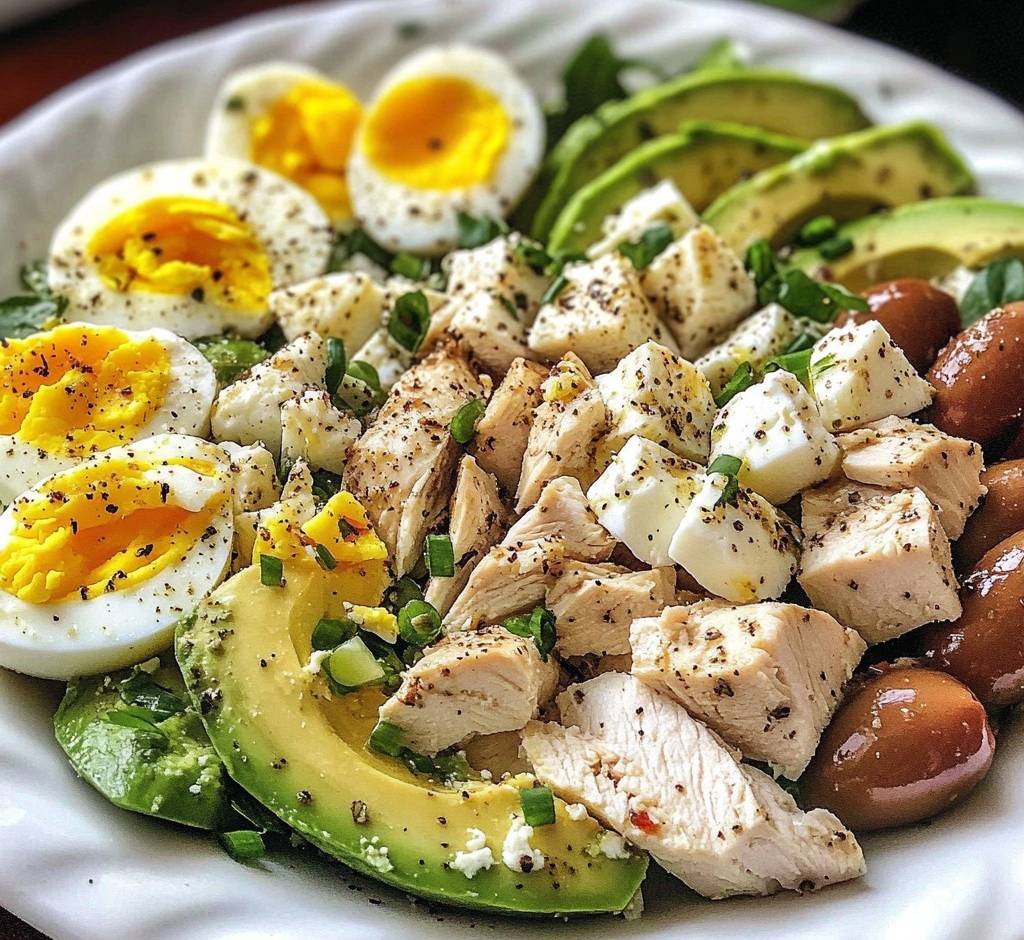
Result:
<point x="292" y="228"/>
<point x="425" y="221"/>
<point x="185" y="410"/>
<point x="74" y="638"/>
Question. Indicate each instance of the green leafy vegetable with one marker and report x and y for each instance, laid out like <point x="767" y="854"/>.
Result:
<point x="23" y="315"/>
<point x="243" y="845"/>
<point x="539" y="626"/>
<point x="474" y="231"/>
<point x="230" y="356"/>
<point x="741" y="380"/>
<point x="337" y="362"/>
<point x="138" y="719"/>
<point x="140" y="690"/>
<point x="730" y="466"/>
<point x="364" y="372"/>
<point x="760" y="262"/>
<point x="357" y="242"/>
<point x="409" y="320"/>
<point x="538" y="806"/>
<point x="804" y="297"/>
<point x="411" y="266"/>
<point x="800" y="342"/>
<point x="419" y="623"/>
<point x="590" y="78"/>
<point x="1001" y="282"/>
<point x="648" y="246"/>
<point x="463" y="424"/>
<point x="439" y="556"/>
<point x="799" y="364"/>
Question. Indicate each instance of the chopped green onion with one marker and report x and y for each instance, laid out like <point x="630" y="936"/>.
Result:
<point x="730" y="466"/>
<point x="533" y="256"/>
<point x="804" y="340"/>
<point x="140" y="690"/>
<point x="474" y="232"/>
<point x="761" y="262"/>
<point x="817" y="230"/>
<point x="836" y="248"/>
<point x="271" y="571"/>
<point x="463" y="425"/>
<point x="405" y="589"/>
<point x="365" y="373"/>
<point x="346" y="529"/>
<point x="337" y="360"/>
<point x="328" y="634"/>
<point x="386" y="738"/>
<point x="648" y="246"/>
<point x="352" y="665"/>
<point x="741" y="380"/>
<point x="538" y="806"/>
<point x="439" y="555"/>
<point x="409" y="320"/>
<point x="554" y="289"/>
<point x="419" y="623"/>
<point x="410" y="266"/>
<point x="324" y="557"/>
<point x="243" y="845"/>
<point x="539" y="626"/>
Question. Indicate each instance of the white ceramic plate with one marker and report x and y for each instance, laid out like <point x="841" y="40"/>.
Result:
<point x="77" y="868"/>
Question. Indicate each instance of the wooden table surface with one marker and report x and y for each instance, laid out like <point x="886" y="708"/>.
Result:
<point x="38" y="58"/>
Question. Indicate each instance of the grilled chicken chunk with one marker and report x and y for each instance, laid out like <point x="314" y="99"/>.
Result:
<point x="403" y="466"/>
<point x="594" y="605"/>
<point x="643" y="767"/>
<point x="480" y="682"/>
<point x="767" y="677"/>
<point x="515" y="575"/>
<point x="820" y="506"/>
<point x="477" y="520"/>
<point x="899" y="454"/>
<point x="882" y="568"/>
<point x="566" y="428"/>
<point x="504" y="428"/>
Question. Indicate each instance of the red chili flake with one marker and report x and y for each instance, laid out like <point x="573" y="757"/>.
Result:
<point x="643" y="821"/>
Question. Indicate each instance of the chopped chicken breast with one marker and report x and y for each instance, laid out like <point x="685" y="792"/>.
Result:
<point x="884" y="568"/>
<point x="489" y="329"/>
<point x="820" y="506"/>
<point x="403" y="467"/>
<point x="480" y="682"/>
<point x="767" y="677"/>
<point x="594" y="604"/>
<point x="477" y="520"/>
<point x="899" y="454"/>
<point x="663" y="780"/>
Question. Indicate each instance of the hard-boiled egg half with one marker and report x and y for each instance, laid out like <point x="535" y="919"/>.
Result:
<point x="79" y="389"/>
<point x="451" y="129"/>
<point x="98" y="562"/>
<point x="292" y="120"/>
<point x="194" y="246"/>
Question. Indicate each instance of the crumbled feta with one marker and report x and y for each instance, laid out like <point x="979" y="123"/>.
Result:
<point x="476" y="856"/>
<point x="516" y="852"/>
<point x="612" y="845"/>
<point x="314" y="430"/>
<point x="376" y="855"/>
<point x="316" y="661"/>
<point x="576" y="812"/>
<point x="345" y="304"/>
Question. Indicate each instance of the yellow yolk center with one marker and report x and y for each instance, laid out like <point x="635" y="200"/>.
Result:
<point x="184" y="245"/>
<point x="102" y="528"/>
<point x="437" y="132"/>
<point x="76" y="390"/>
<point x="306" y="135"/>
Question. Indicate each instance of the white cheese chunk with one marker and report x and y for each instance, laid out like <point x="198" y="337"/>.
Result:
<point x="345" y="304"/>
<point x="489" y="327"/>
<point x="313" y="429"/>
<point x="516" y="851"/>
<point x="499" y="267"/>
<point x="253" y="476"/>
<point x="662" y="203"/>
<point x="476" y="857"/>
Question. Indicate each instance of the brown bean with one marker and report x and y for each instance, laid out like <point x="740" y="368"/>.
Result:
<point x="904" y="746"/>
<point x="984" y="649"/>
<point x="999" y="516"/>
<point x="979" y="377"/>
<point x="920" y="318"/>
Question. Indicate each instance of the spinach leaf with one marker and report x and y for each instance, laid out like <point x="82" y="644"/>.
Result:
<point x="1001" y="282"/>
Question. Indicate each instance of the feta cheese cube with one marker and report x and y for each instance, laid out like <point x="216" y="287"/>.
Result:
<point x="743" y="551"/>
<point x="700" y="287"/>
<point x="386" y="356"/>
<point x="656" y="394"/>
<point x="313" y="429"/>
<point x="253" y="476"/>
<point x="900" y="454"/>
<point x="497" y="268"/>
<point x="642" y="496"/>
<point x="490" y="329"/>
<point x="345" y="304"/>
<point x="775" y="429"/>
<point x="601" y="315"/>
<point x="885" y="570"/>
<point x="663" y="203"/>
<point x="869" y="377"/>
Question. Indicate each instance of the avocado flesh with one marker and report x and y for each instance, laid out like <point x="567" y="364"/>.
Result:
<point x="183" y="781"/>
<point x="282" y="737"/>
<point x="704" y="159"/>
<point x="846" y="177"/>
<point x="926" y="239"/>
<point x="769" y="100"/>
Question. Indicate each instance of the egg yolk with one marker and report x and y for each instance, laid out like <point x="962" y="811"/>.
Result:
<point x="102" y="527"/>
<point x="306" y="136"/>
<point x="183" y="245"/>
<point x="436" y="132"/>
<point x="76" y="390"/>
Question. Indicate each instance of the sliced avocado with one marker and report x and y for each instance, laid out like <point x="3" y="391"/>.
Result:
<point x="926" y="239"/>
<point x="303" y="754"/>
<point x="846" y="177"/>
<point x="173" y="773"/>
<point x="772" y="101"/>
<point x="704" y="159"/>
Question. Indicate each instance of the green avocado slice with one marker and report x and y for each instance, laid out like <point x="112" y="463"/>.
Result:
<point x="173" y="774"/>
<point x="924" y="239"/>
<point x="302" y="753"/>
<point x="845" y="177"/>
<point x="704" y="159"/>
<point x="770" y="100"/>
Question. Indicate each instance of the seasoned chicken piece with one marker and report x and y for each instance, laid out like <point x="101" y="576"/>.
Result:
<point x="767" y="677"/>
<point x="594" y="604"/>
<point x="515" y="575"/>
<point x="489" y="329"/>
<point x="480" y="682"/>
<point x="477" y="520"/>
<point x="503" y="430"/>
<point x="899" y="454"/>
<point x="566" y="429"/>
<point x="666" y="782"/>
<point x="820" y="506"/>
<point x="402" y="468"/>
<point x="883" y="568"/>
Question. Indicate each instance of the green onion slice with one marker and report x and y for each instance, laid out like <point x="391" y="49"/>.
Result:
<point x="538" y="806"/>
<point x="352" y="666"/>
<point x="419" y="623"/>
<point x="539" y="626"/>
<point x="386" y="738"/>
<point x="463" y="425"/>
<point x="328" y="633"/>
<point x="439" y="555"/>
<point x="271" y="571"/>
<point x="243" y="845"/>
<point x="337" y="360"/>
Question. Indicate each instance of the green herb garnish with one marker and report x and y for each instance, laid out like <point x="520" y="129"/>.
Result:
<point x="23" y="315"/>
<point x="817" y="230"/>
<point x="419" y="623"/>
<point x="230" y="356"/>
<point x="409" y="320"/>
<point x="271" y="571"/>
<point x="729" y="466"/>
<point x="386" y="738"/>
<point x="554" y="289"/>
<point x="836" y="248"/>
<point x="328" y="633"/>
<point x="337" y="362"/>
<point x="243" y="845"/>
<point x="648" y="246"/>
<point x="324" y="558"/>
<point x="140" y="690"/>
<point x="474" y="231"/>
<point x="741" y="380"/>
<point x="411" y="266"/>
<point x="463" y="424"/>
<point x="539" y="626"/>
<point x="1001" y="282"/>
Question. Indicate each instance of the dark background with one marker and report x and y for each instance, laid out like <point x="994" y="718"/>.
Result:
<point x="981" y="40"/>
